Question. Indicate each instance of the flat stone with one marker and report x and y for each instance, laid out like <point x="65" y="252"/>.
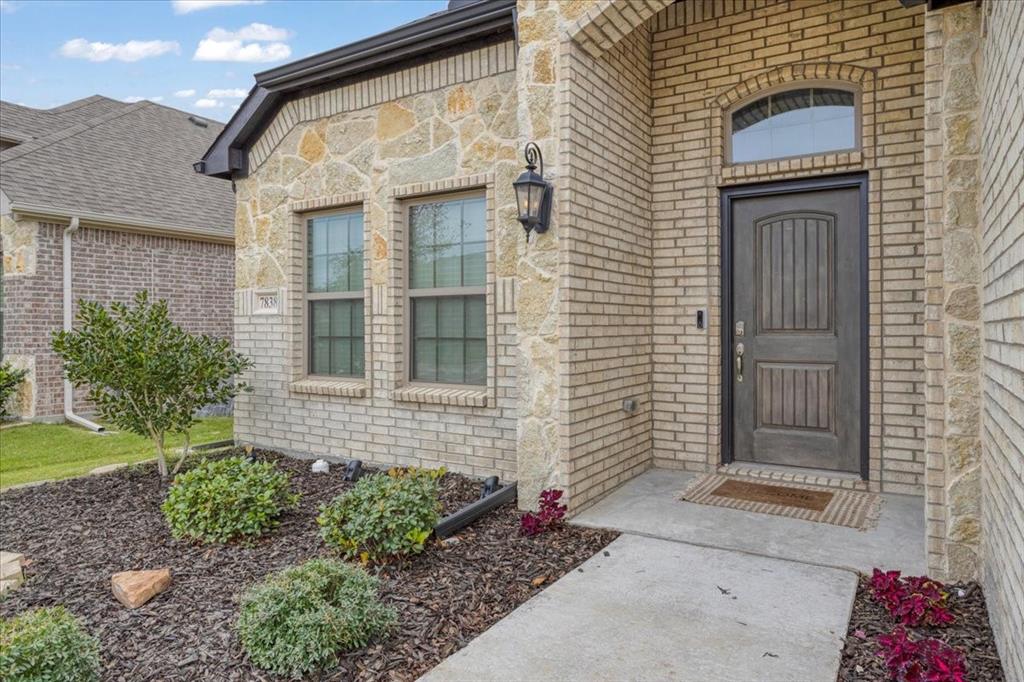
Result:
<point x="964" y="303"/>
<point x="648" y="609"/>
<point x="135" y="588"/>
<point x="964" y="348"/>
<point x="12" y="572"/>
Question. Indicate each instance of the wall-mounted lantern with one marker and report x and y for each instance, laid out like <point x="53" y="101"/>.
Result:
<point x="533" y="193"/>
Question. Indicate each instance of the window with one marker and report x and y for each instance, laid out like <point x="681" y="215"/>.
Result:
<point x="447" y="304"/>
<point x="794" y="123"/>
<point x="334" y="294"/>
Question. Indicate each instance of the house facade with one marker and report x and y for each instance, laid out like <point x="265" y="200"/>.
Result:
<point x="107" y="186"/>
<point x="786" y="240"/>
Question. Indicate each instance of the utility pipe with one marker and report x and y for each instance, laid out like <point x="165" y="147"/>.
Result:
<point x="69" y="390"/>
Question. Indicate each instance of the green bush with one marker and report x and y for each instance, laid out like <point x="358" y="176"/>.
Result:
<point x="298" y="620"/>
<point x="382" y="516"/>
<point x="47" y="645"/>
<point x="9" y="380"/>
<point x="224" y="499"/>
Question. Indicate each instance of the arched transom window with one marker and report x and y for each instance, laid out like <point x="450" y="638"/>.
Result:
<point x="797" y="122"/>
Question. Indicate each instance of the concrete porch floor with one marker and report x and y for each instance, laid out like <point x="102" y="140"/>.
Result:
<point x="649" y="505"/>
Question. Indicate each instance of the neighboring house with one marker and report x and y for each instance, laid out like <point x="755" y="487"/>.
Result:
<point x="784" y="234"/>
<point x="117" y="179"/>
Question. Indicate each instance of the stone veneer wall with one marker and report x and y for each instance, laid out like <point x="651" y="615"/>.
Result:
<point x="194" y="277"/>
<point x="710" y="55"/>
<point x="606" y="267"/>
<point x="953" y="328"/>
<point x="1002" y="317"/>
<point x="434" y="128"/>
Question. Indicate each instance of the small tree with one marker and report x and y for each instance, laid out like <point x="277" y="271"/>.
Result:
<point x="9" y="380"/>
<point x="145" y="374"/>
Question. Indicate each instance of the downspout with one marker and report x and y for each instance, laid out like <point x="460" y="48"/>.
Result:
<point x="69" y="391"/>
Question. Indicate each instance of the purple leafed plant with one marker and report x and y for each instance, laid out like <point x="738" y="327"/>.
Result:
<point x="913" y="601"/>
<point x="549" y="514"/>
<point x="926" y="660"/>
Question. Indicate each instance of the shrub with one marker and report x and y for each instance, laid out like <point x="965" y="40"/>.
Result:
<point x="9" y="380"/>
<point x="550" y="514"/>
<point x="47" y="645"/>
<point x="298" y="620"/>
<point x="224" y="499"/>
<point x="926" y="660"/>
<point x="146" y="374"/>
<point x="913" y="601"/>
<point x="381" y="517"/>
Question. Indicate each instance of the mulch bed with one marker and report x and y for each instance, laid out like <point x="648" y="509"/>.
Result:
<point x="970" y="633"/>
<point x="79" y="532"/>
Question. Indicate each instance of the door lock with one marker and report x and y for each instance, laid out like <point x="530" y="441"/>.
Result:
<point x="739" y="362"/>
<point x="740" y="327"/>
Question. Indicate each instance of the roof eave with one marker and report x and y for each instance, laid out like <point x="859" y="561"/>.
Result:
<point x="226" y="156"/>
<point x="116" y="222"/>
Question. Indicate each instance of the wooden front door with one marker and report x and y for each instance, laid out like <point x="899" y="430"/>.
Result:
<point x="796" y="327"/>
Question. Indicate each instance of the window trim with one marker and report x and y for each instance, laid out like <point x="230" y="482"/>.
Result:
<point x="858" y="118"/>
<point x="306" y="297"/>
<point x="405" y="205"/>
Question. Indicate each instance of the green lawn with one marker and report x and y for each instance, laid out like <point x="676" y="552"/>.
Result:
<point x="40" y="452"/>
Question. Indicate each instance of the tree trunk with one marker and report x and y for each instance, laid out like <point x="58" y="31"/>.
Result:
<point x="185" y="447"/>
<point x="161" y="461"/>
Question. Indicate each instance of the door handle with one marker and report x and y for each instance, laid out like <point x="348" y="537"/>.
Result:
<point x="739" y="362"/>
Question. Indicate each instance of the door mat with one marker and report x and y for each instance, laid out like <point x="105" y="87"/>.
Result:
<point x="838" y="507"/>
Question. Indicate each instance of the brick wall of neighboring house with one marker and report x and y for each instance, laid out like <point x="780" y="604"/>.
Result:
<point x="195" y="277"/>
<point x="710" y="56"/>
<point x="606" y="285"/>
<point x="1002" y="277"/>
<point x="445" y="125"/>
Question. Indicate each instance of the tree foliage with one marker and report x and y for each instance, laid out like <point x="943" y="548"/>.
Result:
<point x="9" y="380"/>
<point x="146" y="374"/>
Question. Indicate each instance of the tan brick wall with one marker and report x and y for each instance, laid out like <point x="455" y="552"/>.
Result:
<point x="444" y="126"/>
<point x="1002" y="277"/>
<point x="606" y="267"/>
<point x="708" y="55"/>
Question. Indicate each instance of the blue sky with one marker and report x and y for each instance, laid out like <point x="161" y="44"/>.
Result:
<point x="196" y="55"/>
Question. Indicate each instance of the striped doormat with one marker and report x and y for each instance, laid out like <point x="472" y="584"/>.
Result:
<point x="839" y="507"/>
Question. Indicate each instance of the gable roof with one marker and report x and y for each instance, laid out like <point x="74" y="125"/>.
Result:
<point x="20" y="124"/>
<point x="127" y="164"/>
<point x="455" y="28"/>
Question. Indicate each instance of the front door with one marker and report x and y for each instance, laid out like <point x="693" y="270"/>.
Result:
<point x="796" y="327"/>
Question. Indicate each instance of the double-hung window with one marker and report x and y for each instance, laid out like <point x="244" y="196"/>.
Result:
<point x="446" y="287"/>
<point x="334" y="294"/>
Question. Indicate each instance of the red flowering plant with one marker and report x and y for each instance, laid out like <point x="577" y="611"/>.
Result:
<point x="549" y="514"/>
<point x="913" y="601"/>
<point x="926" y="660"/>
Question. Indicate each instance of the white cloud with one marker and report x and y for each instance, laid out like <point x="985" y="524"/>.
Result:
<point x="236" y="93"/>
<point x="132" y="51"/>
<point x="185" y="93"/>
<point x="8" y="6"/>
<point x="188" y="6"/>
<point x="10" y="67"/>
<point x="207" y="103"/>
<point x="255" y="31"/>
<point x="221" y="45"/>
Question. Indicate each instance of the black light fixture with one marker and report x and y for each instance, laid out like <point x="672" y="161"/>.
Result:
<point x="533" y="193"/>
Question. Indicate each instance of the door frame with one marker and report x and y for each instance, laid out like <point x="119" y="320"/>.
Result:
<point x="729" y="194"/>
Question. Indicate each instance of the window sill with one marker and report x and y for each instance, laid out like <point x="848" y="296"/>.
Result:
<point x="442" y="395"/>
<point x="348" y="388"/>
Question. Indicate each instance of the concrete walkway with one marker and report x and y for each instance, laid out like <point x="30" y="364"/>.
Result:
<point x="649" y="505"/>
<point x="692" y="592"/>
<point x="662" y="610"/>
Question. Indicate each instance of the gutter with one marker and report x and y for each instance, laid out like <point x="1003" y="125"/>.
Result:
<point x="69" y="391"/>
<point x="115" y="222"/>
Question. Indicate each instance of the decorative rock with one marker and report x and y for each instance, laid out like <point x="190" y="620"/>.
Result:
<point x="12" y="572"/>
<point x="321" y="466"/>
<point x="964" y="348"/>
<point x="135" y="588"/>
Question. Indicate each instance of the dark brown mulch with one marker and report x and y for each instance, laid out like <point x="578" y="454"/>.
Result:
<point x="79" y="532"/>
<point x="970" y="633"/>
